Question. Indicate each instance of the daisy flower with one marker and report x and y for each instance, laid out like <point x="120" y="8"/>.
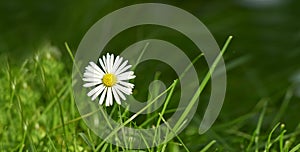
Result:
<point x="109" y="80"/>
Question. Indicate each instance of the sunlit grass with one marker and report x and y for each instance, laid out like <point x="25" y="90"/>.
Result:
<point x="38" y="113"/>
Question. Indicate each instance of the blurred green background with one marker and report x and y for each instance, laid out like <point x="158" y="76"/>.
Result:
<point x="262" y="61"/>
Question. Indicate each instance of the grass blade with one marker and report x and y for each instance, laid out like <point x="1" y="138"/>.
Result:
<point x="208" y="146"/>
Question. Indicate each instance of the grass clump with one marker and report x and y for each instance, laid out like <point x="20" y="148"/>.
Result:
<point x="38" y="113"/>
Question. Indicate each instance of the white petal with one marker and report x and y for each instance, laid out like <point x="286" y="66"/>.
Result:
<point x="126" y="84"/>
<point x="105" y="64"/>
<point x="127" y="91"/>
<point x="109" y="97"/>
<point x="101" y="88"/>
<point x="126" y="76"/>
<point x="116" y="64"/>
<point x="131" y="77"/>
<point x="92" y="80"/>
<point x="111" y="62"/>
<point x="120" y="93"/>
<point x="93" y="91"/>
<point x="88" y="74"/>
<point x="92" y="70"/>
<point x="102" y="65"/>
<point x="102" y="96"/>
<point x="95" y="66"/>
<point x="116" y="96"/>
<point x="91" y="84"/>
<point x="108" y="62"/>
<point x="124" y="69"/>
<point x="122" y="66"/>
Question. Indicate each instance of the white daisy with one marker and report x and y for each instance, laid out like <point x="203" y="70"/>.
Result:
<point x="109" y="80"/>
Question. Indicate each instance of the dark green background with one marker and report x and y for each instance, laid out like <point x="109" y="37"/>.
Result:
<point x="261" y="60"/>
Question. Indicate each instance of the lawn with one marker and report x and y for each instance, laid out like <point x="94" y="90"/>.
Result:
<point x="38" y="107"/>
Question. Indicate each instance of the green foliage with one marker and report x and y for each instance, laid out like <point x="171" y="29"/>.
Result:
<point x="38" y="113"/>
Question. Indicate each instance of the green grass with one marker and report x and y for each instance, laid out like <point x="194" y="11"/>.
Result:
<point x="38" y="113"/>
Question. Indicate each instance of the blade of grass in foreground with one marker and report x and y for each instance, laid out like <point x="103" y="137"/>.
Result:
<point x="170" y="128"/>
<point x="269" y="143"/>
<point x="140" y="56"/>
<point x="208" y="146"/>
<point x="181" y="120"/>
<point x="284" y="106"/>
<point x="51" y="144"/>
<point x="136" y="114"/>
<point x="202" y="86"/>
<point x="296" y="148"/>
<point x="255" y="136"/>
<point x="163" y="111"/>
<point x="86" y="140"/>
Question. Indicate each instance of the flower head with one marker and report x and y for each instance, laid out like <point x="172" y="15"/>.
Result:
<point x="109" y="80"/>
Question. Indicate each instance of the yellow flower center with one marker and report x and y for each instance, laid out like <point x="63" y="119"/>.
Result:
<point x="109" y="80"/>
